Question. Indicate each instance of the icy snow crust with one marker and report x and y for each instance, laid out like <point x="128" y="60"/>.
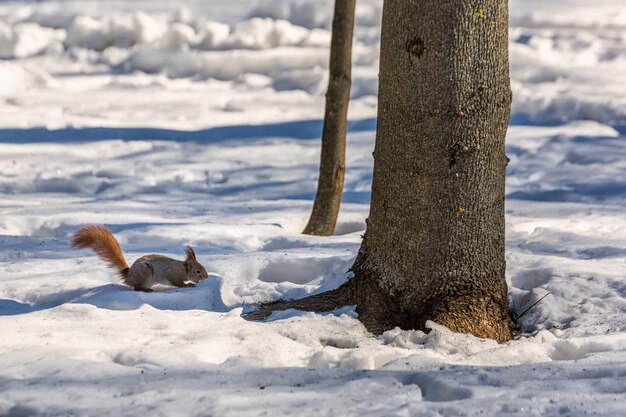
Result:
<point x="199" y="125"/>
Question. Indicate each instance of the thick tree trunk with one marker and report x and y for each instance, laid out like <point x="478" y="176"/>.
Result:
<point x="434" y="245"/>
<point x="332" y="163"/>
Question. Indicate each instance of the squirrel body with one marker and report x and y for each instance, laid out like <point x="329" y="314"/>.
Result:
<point x="146" y="271"/>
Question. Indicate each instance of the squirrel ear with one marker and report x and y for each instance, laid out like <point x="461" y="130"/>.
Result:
<point x="190" y="253"/>
<point x="190" y="260"/>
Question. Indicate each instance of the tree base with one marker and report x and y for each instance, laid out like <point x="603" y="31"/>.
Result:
<point x="375" y="309"/>
<point x="326" y="301"/>
<point x="380" y="312"/>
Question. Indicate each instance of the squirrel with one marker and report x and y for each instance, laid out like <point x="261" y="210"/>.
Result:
<point x="145" y="271"/>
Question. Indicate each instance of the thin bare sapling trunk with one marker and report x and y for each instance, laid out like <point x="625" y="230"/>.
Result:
<point x="332" y="163"/>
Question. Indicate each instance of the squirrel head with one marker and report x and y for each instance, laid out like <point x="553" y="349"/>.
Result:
<point x="195" y="271"/>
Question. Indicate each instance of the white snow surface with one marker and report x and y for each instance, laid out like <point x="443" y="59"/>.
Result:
<point x="197" y="122"/>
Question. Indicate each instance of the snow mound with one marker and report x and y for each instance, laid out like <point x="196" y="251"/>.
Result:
<point x="27" y="39"/>
<point x="315" y="14"/>
<point x="258" y="33"/>
<point x="307" y="14"/>
<point x="38" y="31"/>
<point x="223" y="66"/>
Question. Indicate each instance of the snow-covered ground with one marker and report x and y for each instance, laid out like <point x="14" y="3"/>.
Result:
<point x="197" y="122"/>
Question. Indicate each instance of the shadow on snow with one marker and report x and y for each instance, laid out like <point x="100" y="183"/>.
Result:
<point x="301" y="129"/>
<point x="206" y="296"/>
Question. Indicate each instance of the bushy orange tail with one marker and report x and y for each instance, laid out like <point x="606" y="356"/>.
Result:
<point x="101" y="241"/>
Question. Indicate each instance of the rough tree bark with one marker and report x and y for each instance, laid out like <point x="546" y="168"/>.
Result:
<point x="434" y="245"/>
<point x="332" y="163"/>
